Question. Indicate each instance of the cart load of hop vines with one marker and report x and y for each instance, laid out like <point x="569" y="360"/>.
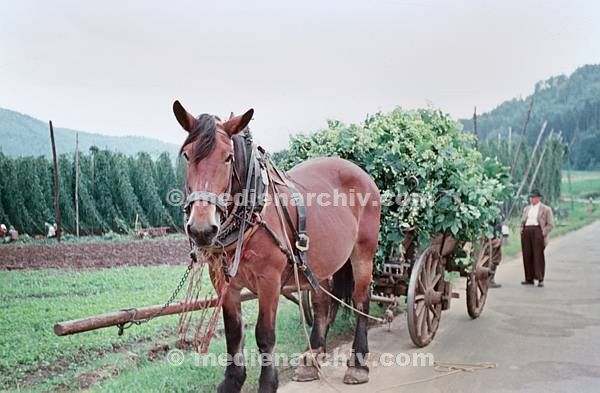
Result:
<point x="431" y="176"/>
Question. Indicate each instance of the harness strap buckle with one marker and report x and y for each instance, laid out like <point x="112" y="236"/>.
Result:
<point x="302" y="242"/>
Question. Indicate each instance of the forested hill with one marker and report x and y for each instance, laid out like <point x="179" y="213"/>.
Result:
<point x="22" y="135"/>
<point x="571" y="104"/>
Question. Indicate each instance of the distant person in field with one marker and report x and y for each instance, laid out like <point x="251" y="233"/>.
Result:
<point x="2" y="231"/>
<point x="537" y="222"/>
<point x="51" y="230"/>
<point x="12" y="235"/>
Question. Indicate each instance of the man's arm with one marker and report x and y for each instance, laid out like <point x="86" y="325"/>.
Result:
<point x="549" y="222"/>
<point x="521" y="220"/>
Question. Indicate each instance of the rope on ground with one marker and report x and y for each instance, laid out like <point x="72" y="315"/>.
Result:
<point x="446" y="369"/>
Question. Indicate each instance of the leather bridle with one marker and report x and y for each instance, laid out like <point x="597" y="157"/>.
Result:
<point x="255" y="181"/>
<point x="211" y="197"/>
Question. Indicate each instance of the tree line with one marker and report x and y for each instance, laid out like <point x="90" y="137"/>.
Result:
<point x="570" y="105"/>
<point x="115" y="191"/>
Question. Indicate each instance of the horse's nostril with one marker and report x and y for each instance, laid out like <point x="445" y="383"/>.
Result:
<point x="202" y="234"/>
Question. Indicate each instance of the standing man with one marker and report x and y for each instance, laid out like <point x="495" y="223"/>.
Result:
<point x="537" y="222"/>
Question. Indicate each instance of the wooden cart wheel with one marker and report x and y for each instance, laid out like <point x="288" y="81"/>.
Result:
<point x="306" y="300"/>
<point x="477" y="280"/>
<point x="424" y="297"/>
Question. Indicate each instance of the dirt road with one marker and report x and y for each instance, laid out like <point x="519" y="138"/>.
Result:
<point x="541" y="339"/>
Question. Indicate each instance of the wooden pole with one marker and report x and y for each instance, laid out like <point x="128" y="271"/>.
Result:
<point x="570" y="167"/>
<point x="521" y="140"/>
<point x="56" y="204"/>
<point x="539" y="164"/>
<point x="77" y="184"/>
<point x="124" y="316"/>
<point x="475" y="127"/>
<point x="526" y="174"/>
<point x="509" y="141"/>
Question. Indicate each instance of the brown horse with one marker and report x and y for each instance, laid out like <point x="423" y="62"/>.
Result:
<point x="343" y="239"/>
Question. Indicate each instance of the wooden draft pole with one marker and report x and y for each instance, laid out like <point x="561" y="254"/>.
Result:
<point x="526" y="174"/>
<point x="56" y="204"/>
<point x="521" y="140"/>
<point x="125" y="316"/>
<point x="77" y="184"/>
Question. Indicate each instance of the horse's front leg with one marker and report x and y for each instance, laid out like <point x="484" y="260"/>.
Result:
<point x="235" y="373"/>
<point x="268" y="300"/>
<point x="324" y="312"/>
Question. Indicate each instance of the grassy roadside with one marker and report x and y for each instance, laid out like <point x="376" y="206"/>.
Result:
<point x="34" y="359"/>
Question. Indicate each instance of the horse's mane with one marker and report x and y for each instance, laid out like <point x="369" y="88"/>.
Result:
<point x="204" y="133"/>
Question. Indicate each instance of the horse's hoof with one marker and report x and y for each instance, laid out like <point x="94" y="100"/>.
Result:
<point x="305" y="374"/>
<point x="356" y="376"/>
<point x="228" y="386"/>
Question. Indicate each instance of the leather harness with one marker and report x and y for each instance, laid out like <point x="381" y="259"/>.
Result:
<point x="253" y="170"/>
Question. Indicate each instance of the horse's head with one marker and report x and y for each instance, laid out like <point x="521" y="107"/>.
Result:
<point x="208" y="149"/>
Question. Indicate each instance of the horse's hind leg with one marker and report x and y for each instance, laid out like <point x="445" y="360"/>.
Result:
<point x="362" y="270"/>
<point x="321" y="304"/>
<point x="235" y="373"/>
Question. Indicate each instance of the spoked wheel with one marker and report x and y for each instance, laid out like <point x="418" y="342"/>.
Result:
<point x="424" y="298"/>
<point x="477" y="280"/>
<point x="306" y="300"/>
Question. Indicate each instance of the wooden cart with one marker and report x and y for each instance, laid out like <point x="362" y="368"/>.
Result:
<point x="422" y="279"/>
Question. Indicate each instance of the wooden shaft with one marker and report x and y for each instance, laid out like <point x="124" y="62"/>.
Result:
<point x="124" y="316"/>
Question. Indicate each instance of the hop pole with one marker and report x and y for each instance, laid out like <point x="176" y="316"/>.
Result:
<point x="56" y="204"/>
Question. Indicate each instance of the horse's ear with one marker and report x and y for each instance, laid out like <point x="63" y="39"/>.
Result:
<point x="236" y="124"/>
<point x="187" y="121"/>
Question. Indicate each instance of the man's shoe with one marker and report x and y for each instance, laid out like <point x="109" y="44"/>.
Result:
<point x="526" y="282"/>
<point x="493" y="284"/>
<point x="541" y="284"/>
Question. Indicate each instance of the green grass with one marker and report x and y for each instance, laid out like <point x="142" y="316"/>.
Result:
<point x="584" y="184"/>
<point x="34" y="359"/>
<point x="579" y="175"/>
<point x="588" y="188"/>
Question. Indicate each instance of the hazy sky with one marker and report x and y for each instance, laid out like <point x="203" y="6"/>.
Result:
<point x="116" y="66"/>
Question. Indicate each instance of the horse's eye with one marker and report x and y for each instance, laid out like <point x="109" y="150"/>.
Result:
<point x="229" y="159"/>
<point x="185" y="156"/>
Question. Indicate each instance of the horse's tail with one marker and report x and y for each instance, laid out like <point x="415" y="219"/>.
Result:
<point x="343" y="286"/>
